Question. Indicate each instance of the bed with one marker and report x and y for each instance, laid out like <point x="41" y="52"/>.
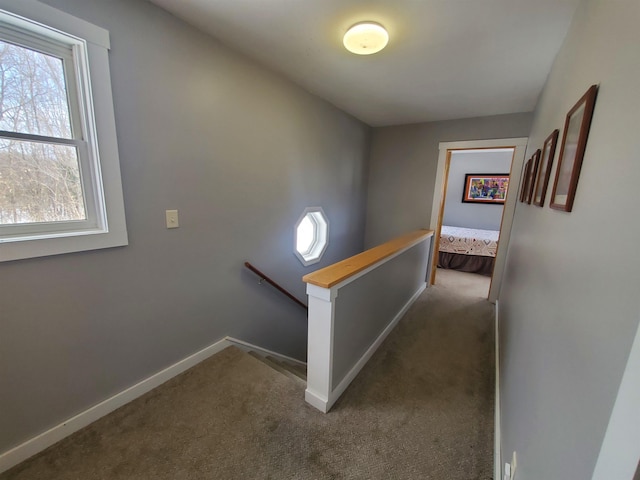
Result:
<point x="468" y="249"/>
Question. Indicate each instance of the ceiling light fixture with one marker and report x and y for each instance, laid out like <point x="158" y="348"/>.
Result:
<point x="365" y="38"/>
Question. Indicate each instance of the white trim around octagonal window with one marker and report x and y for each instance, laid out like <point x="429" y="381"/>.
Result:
<point x="311" y="235"/>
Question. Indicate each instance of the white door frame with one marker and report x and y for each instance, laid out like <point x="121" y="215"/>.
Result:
<point x="520" y="146"/>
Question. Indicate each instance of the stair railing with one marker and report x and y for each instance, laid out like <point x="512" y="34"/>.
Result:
<point x="375" y="288"/>
<point x="265" y="278"/>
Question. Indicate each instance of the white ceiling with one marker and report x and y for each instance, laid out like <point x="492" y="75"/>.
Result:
<point x="446" y="59"/>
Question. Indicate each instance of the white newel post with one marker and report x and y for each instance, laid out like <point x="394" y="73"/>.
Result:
<point x="320" y="345"/>
<point x="342" y="337"/>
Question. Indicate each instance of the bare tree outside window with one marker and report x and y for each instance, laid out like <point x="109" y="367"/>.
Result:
<point x="60" y="188"/>
<point x="40" y="179"/>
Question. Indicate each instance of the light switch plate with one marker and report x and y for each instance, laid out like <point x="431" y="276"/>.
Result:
<point x="172" y="219"/>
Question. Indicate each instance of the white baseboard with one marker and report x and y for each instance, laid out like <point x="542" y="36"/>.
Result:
<point x="316" y="400"/>
<point x="497" y="447"/>
<point x="342" y="386"/>
<point x="44" y="440"/>
<point x="246" y="346"/>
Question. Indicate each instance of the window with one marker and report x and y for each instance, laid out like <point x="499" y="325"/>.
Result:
<point x="60" y="185"/>
<point x="311" y="235"/>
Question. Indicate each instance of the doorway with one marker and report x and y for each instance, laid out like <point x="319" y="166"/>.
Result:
<point x="447" y="149"/>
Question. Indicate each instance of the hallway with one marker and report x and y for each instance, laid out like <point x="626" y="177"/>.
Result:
<point x="421" y="408"/>
<point x="463" y="283"/>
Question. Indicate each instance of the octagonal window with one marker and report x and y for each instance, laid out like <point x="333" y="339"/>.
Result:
<point x="311" y="235"/>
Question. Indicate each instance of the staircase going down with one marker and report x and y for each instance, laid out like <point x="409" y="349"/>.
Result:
<point x="289" y="369"/>
<point x="421" y="408"/>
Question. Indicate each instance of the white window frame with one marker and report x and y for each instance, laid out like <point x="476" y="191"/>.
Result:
<point x="320" y="242"/>
<point x="94" y="133"/>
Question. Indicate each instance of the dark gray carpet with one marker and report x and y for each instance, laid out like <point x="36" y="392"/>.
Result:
<point x="421" y="409"/>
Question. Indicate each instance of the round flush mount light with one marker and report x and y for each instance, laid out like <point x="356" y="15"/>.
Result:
<point x="365" y="38"/>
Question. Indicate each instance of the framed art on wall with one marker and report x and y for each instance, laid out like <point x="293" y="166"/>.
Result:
<point x="525" y="181"/>
<point x="535" y="162"/>
<point x="574" y="143"/>
<point x="544" y="169"/>
<point x="488" y="188"/>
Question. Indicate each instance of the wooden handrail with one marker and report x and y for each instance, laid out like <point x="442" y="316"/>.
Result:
<point x="333" y="274"/>
<point x="274" y="284"/>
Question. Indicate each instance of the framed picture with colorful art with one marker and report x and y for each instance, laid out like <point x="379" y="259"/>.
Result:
<point x="574" y="144"/>
<point x="544" y="170"/>
<point x="488" y="188"/>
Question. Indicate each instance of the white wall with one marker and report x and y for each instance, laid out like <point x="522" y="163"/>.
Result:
<point x="473" y="215"/>
<point x="240" y="152"/>
<point x="569" y="302"/>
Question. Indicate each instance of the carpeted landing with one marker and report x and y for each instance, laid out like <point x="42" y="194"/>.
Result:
<point x="421" y="409"/>
<point x="464" y="283"/>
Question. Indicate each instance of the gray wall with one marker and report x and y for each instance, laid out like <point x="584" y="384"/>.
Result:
<point x="473" y="215"/>
<point x="569" y="303"/>
<point x="365" y="307"/>
<point x="240" y="152"/>
<point x="403" y="165"/>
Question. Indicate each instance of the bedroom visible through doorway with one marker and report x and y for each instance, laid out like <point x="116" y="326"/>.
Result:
<point x="477" y="184"/>
<point x="472" y="208"/>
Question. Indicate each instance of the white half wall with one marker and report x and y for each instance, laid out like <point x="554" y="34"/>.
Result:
<point x="349" y="321"/>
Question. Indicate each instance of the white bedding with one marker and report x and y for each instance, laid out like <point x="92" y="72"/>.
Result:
<point x="469" y="241"/>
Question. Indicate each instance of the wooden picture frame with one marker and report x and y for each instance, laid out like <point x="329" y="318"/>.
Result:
<point x="544" y="169"/>
<point x="535" y="162"/>
<point x="574" y="143"/>
<point x="525" y="181"/>
<point x="485" y="188"/>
